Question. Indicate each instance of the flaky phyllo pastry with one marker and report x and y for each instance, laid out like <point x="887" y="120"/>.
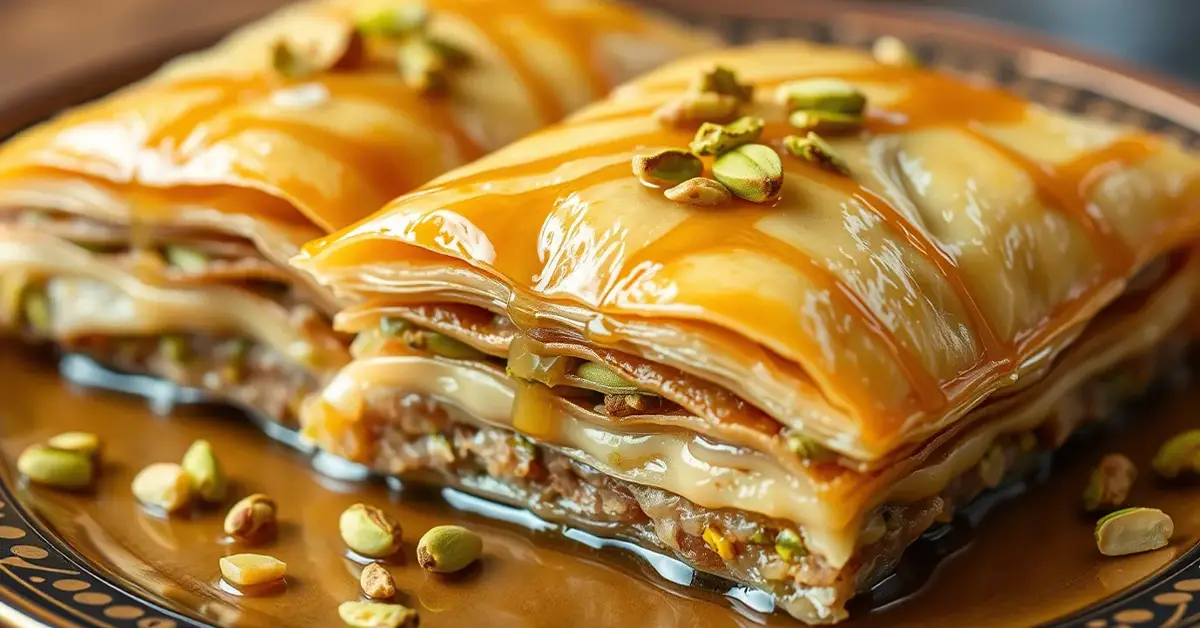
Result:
<point x="775" y="310"/>
<point x="151" y="229"/>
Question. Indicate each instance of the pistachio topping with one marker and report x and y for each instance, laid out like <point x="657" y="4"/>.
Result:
<point x="245" y="570"/>
<point x="295" y="62"/>
<point x="890" y="50"/>
<point x="604" y="376"/>
<point x="722" y="80"/>
<point x="173" y="349"/>
<point x="163" y="485"/>
<point x="85" y="443"/>
<point x="36" y="308"/>
<point x="186" y="259"/>
<point x="422" y="65"/>
<point x="1133" y="530"/>
<point x="205" y="472"/>
<point x="790" y="546"/>
<point x="719" y="544"/>
<point x="694" y="108"/>
<point x="447" y="347"/>
<point x="822" y="94"/>
<point x="393" y="326"/>
<point x="1109" y="484"/>
<point x="816" y="151"/>
<point x="398" y="21"/>
<point x="752" y="172"/>
<point x="369" y="531"/>
<point x="825" y="121"/>
<point x="1179" y="455"/>
<point x="252" y="519"/>
<point x="699" y="191"/>
<point x="715" y="139"/>
<point x="56" y="468"/>
<point x="377" y="582"/>
<point x="667" y="167"/>
<point x="448" y="548"/>
<point x="376" y="615"/>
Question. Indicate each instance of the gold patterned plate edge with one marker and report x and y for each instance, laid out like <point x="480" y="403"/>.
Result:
<point x="43" y="582"/>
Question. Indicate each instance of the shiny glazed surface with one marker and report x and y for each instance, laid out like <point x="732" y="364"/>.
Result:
<point x="530" y="578"/>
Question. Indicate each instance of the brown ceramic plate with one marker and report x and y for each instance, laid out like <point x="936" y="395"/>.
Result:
<point x="99" y="560"/>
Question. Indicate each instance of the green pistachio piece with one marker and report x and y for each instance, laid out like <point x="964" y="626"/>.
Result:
<point x="715" y="139"/>
<point x="1109" y="484"/>
<point x="204" y="471"/>
<point x="825" y="122"/>
<point x="376" y="615"/>
<point x="822" y="94"/>
<point x="1179" y="455"/>
<point x="815" y="151"/>
<point x="36" y="307"/>
<point x="287" y="62"/>
<point x="696" y="107"/>
<point x="421" y="65"/>
<point x="1133" y="530"/>
<point x="84" y="443"/>
<point x="185" y="259"/>
<point x="700" y="191"/>
<point x="719" y="543"/>
<point x="57" y="468"/>
<point x="448" y="548"/>
<point x="667" y="168"/>
<point x="369" y="531"/>
<point x="163" y="485"/>
<point x="752" y="172"/>
<point x="722" y="80"/>
<point x="891" y="51"/>
<point x="393" y="326"/>
<point x="173" y="349"/>
<point x="806" y="448"/>
<point x="447" y="347"/>
<point x="759" y="538"/>
<point x="452" y="55"/>
<point x="406" y="19"/>
<point x="600" y="374"/>
<point x="789" y="545"/>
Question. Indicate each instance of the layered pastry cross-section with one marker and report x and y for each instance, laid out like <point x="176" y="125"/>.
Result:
<point x="151" y="229"/>
<point x="774" y="310"/>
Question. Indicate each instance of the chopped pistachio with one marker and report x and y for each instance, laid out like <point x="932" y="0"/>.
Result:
<point x="667" y="168"/>
<point x="722" y="80"/>
<point x="56" y="468"/>
<point x="397" y="21"/>
<point x="992" y="467"/>
<point x="376" y="615"/>
<point x="825" y="121"/>
<point x="377" y="582"/>
<point x="186" y="259"/>
<point x="700" y="191"/>
<point x="1179" y="455"/>
<point x="205" y="472"/>
<point x="807" y="448"/>
<point x="288" y="63"/>
<point x="369" y="531"/>
<point x="174" y="349"/>
<point x="1109" y="484"/>
<point x="252" y="569"/>
<point x="694" y="108"/>
<point x="816" y="151"/>
<point x="452" y="55"/>
<point x="393" y="326"/>
<point x="84" y="443"/>
<point x="822" y="94"/>
<point x="600" y="374"/>
<point x="715" y="139"/>
<point x="1133" y="530"/>
<point x="448" y="548"/>
<point x="891" y="51"/>
<point x="717" y="542"/>
<point x="252" y="519"/>
<point x="752" y="172"/>
<point x="36" y="307"/>
<point x="445" y="346"/>
<point x="294" y="63"/>
<point x="163" y="485"/>
<point x="422" y="65"/>
<point x="759" y="538"/>
<point x="789" y="545"/>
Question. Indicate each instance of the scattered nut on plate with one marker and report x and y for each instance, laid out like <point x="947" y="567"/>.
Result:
<point x="448" y="548"/>
<point x="163" y="485"/>
<point x="369" y="531"/>
<point x="204" y="472"/>
<point x="246" y="570"/>
<point x="1133" y="530"/>
<point x="1179" y="455"/>
<point x="252" y="519"/>
<point x="377" y="582"/>
<point x="1108" y="486"/>
<point x="376" y="615"/>
<point x="56" y="468"/>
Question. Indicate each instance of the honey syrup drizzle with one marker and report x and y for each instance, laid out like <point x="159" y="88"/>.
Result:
<point x="931" y="100"/>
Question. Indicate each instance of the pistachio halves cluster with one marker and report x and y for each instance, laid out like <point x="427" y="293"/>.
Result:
<point x="171" y="487"/>
<point x="824" y="105"/>
<point x="68" y="461"/>
<point x="715" y="95"/>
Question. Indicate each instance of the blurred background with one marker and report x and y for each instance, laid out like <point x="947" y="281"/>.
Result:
<point x="46" y="41"/>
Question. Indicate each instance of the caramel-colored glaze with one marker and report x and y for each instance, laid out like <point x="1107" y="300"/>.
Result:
<point x="553" y="217"/>
<point x="1030" y="561"/>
